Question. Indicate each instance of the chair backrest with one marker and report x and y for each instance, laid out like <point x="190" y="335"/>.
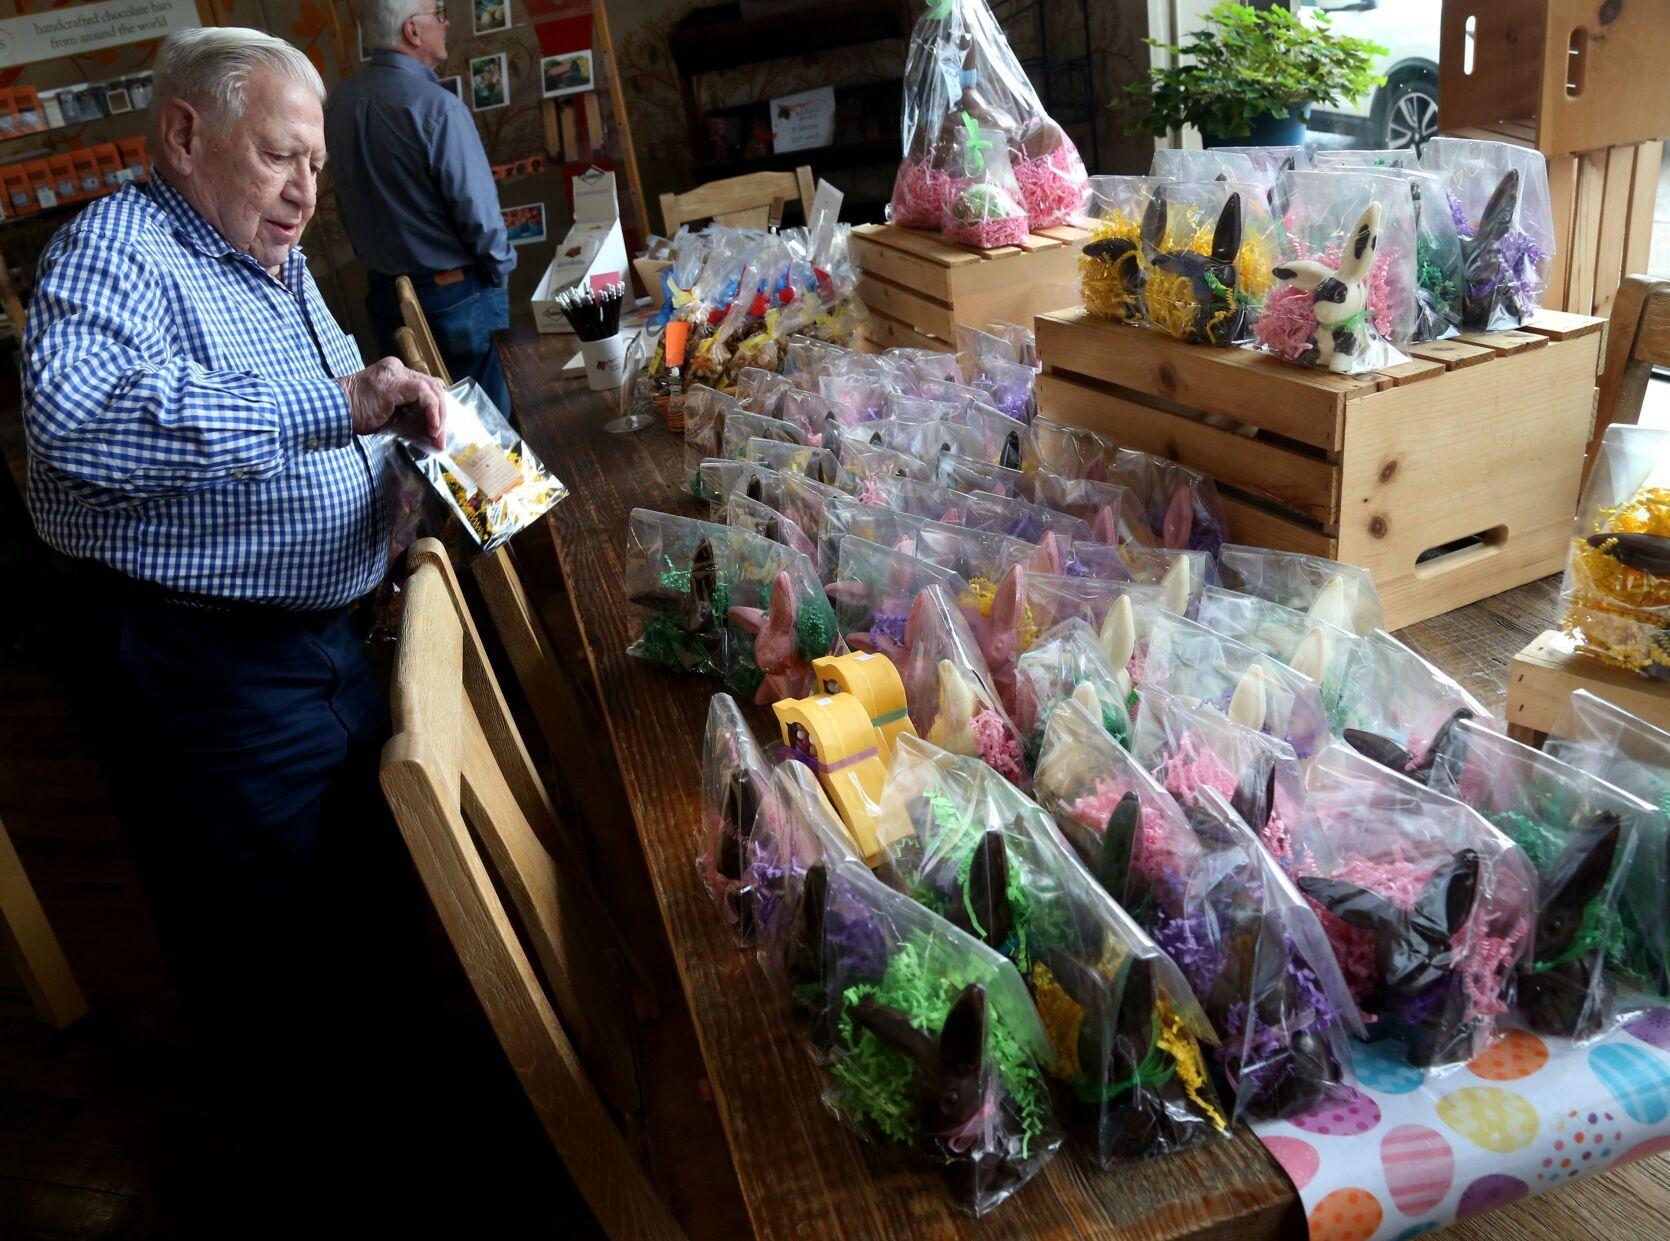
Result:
<point x="411" y="314"/>
<point x="1637" y="339"/>
<point x="741" y="202"/>
<point x="405" y="344"/>
<point x="455" y="773"/>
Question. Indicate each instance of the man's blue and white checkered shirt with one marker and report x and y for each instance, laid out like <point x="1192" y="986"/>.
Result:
<point x="184" y="421"/>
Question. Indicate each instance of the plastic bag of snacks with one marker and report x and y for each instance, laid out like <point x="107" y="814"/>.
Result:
<point x="1023" y="340"/>
<point x="1110" y="262"/>
<point x="1189" y="659"/>
<point x="1206" y="252"/>
<point x="969" y="475"/>
<point x="1065" y="662"/>
<point x="935" y="1046"/>
<point x="717" y="478"/>
<point x="485" y="474"/>
<point x="706" y="413"/>
<point x="862" y="463"/>
<point x="929" y="365"/>
<point x="1269" y="163"/>
<point x="953" y="702"/>
<point x="1347" y="299"/>
<point x="1018" y="519"/>
<point x="783" y="458"/>
<point x="1390" y="157"/>
<point x="818" y="418"/>
<point x="806" y="501"/>
<point x="1580" y="834"/>
<point x="806" y="357"/>
<point x="1181" y="505"/>
<point x="1498" y="197"/>
<point x="1615" y="600"/>
<point x="736" y="787"/>
<point x="761" y="390"/>
<point x="744" y="512"/>
<point x="875" y="589"/>
<point x="977" y="343"/>
<point x="1340" y="594"/>
<point x="1615" y="746"/>
<point x="908" y="407"/>
<point x="716" y="289"/>
<point x="1427" y="906"/>
<point x="1100" y="560"/>
<point x="1051" y="599"/>
<point x="984" y="207"/>
<point x="742" y="426"/>
<point x="1397" y="708"/>
<point x="1256" y="956"/>
<point x="1214" y="164"/>
<point x="1311" y="647"/>
<point x="727" y="603"/>
<point x="1122" y="1022"/>
<point x="1011" y="388"/>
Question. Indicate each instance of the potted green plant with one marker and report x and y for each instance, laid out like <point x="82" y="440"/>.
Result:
<point x="1250" y="76"/>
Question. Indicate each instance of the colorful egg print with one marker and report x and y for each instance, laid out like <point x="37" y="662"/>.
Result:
<point x="1489" y="1193"/>
<point x="1346" y="1215"/>
<point x="1488" y="1116"/>
<point x="1583" y="1141"/>
<point x="1383" y="1071"/>
<point x="1651" y="1027"/>
<point x="1419" y="1167"/>
<point x="1345" y="1114"/>
<point x="1298" y="1158"/>
<point x="1638" y="1080"/>
<point x="1646" y="1150"/>
<point x="1517" y="1054"/>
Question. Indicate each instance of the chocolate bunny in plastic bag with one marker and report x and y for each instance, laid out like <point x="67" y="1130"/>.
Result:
<point x="1188" y="294"/>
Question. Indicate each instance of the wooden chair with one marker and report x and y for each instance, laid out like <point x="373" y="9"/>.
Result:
<point x="1637" y="339"/>
<point x="405" y="344"/>
<point x="411" y="313"/>
<point x="32" y="946"/>
<point x="742" y="202"/>
<point x="456" y="773"/>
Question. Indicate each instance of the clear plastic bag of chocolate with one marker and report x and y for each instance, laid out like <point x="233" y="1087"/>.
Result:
<point x="1615" y="600"/>
<point x="969" y="475"/>
<point x="1069" y="662"/>
<point x="983" y="206"/>
<point x="744" y="512"/>
<point x="1428" y="907"/>
<point x="706" y="412"/>
<point x="717" y="478"/>
<point x="1305" y="644"/>
<point x="1341" y="595"/>
<point x="1397" y="708"/>
<point x="1180" y="504"/>
<point x="1070" y="451"/>
<point x="875" y="590"/>
<point x="1122" y="1022"/>
<point x="1113" y="511"/>
<point x="1207" y="248"/>
<point x="774" y="454"/>
<point x="736" y="791"/>
<point x="1110" y="261"/>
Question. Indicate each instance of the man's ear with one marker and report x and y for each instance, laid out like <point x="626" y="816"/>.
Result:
<point x="178" y="127"/>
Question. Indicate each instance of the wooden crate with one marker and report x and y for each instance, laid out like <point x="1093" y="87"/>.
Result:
<point x="1548" y="671"/>
<point x="917" y="285"/>
<point x="1584" y="83"/>
<point x="1452" y="477"/>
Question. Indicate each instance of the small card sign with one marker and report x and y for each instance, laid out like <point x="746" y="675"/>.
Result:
<point x="804" y="121"/>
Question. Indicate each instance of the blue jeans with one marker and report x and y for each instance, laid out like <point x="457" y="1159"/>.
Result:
<point x="462" y="316"/>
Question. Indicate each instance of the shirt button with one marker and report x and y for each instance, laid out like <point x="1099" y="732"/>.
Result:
<point x="313" y="444"/>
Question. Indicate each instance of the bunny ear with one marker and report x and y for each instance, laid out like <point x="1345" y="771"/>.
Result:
<point x="894" y="1031"/>
<point x="704" y="583"/>
<point x="1441" y="738"/>
<point x="1084" y="693"/>
<point x="916" y="618"/>
<point x="1011" y="458"/>
<point x="1136" y="1005"/>
<point x="985" y="904"/>
<point x="1447" y="898"/>
<point x="1049" y="557"/>
<point x="718" y="432"/>
<point x="1358" y="259"/>
<point x="1226" y="238"/>
<point x="1356" y="906"/>
<point x="1269" y="975"/>
<point x="1498" y="214"/>
<point x="1179" y="519"/>
<point x="1118" y="637"/>
<point x="1104" y="527"/>
<point x="962" y="1039"/>
<point x="1176" y="586"/>
<point x="1154" y="222"/>
<point x="1248" y="705"/>
<point x="1330" y="604"/>
<point x="1084" y="984"/>
<point x="1118" y="842"/>
<point x="754" y="488"/>
<point x="952" y="517"/>
<point x="1310" y="659"/>
<point x="1382" y="750"/>
<point x="1585" y="864"/>
<point x="805" y="950"/>
<point x="1255" y="795"/>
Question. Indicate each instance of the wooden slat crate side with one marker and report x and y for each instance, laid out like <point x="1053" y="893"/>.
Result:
<point x="1563" y="325"/>
<point x="1453" y="353"/>
<point x="925" y="245"/>
<point x="1493" y="448"/>
<point x="1585" y="230"/>
<point x="1308" y="406"/>
<point x="1305" y="483"/>
<point x="1549" y="670"/>
<point x="1254" y="526"/>
<point x="920" y="312"/>
<point x="1562" y="196"/>
<point x="901" y="267"/>
<point x="1614" y="224"/>
<point x="1643" y="197"/>
<point x="1506" y="57"/>
<point x="1057" y="267"/>
<point x="886" y="332"/>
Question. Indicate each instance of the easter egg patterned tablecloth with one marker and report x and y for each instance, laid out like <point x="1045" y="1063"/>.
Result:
<point x="1407" y="1152"/>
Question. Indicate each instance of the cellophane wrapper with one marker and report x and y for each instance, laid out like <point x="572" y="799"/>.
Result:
<point x="1428" y="907"/>
<point x="1185" y="575"/>
<point x="1022" y="338"/>
<point x="908" y="407"/>
<point x="1070" y="451"/>
<point x="486" y="475"/>
<point x="875" y="590"/>
<point x="863" y="462"/>
<point x="1386" y="157"/>
<point x="1185" y="658"/>
<point x="1323" y="213"/>
<point x="812" y="506"/>
<point x="983" y="206"/>
<point x="1309" y="646"/>
<point x="929" y="364"/>
<point x="782" y="458"/>
<point x="1193" y="288"/>
<point x="1504" y="218"/>
<point x="1052" y="598"/>
<point x="1392" y="693"/>
<point x="1294" y="580"/>
<point x="706" y="414"/>
<point x="736" y="794"/>
<point x="953" y="700"/>
<point x="967" y="474"/>
<point x="1615" y="600"/>
<point x="938" y="997"/>
<point x="1608" y="742"/>
<point x="1099" y="560"/>
<point x="1113" y="511"/>
<point x="1122" y="1023"/>
<point x="1181" y="505"/>
<point x="858" y="384"/>
<point x="1009" y="387"/>
<point x="818" y="418"/>
<point x="716" y="478"/>
<point x="1110" y="260"/>
<point x="740" y="427"/>
<point x="761" y="391"/>
<point x="744" y="512"/>
<point x="1207" y="164"/>
<point x="805" y="358"/>
<point x="1581" y="835"/>
<point x="1067" y="662"/>
<point x="708" y="594"/>
<point x="976" y="343"/>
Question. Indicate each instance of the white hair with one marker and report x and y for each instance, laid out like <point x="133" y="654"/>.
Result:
<point x="209" y="66"/>
<point x="383" y="21"/>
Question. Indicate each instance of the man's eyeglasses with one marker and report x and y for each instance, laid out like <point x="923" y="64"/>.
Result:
<point x="438" y="12"/>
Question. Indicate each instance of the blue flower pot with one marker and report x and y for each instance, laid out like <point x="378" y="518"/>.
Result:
<point x="1268" y="130"/>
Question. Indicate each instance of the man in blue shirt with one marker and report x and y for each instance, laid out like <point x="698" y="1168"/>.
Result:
<point x="199" y="467"/>
<point x="416" y="192"/>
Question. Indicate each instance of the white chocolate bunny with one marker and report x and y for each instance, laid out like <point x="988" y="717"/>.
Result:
<point x="1344" y="325"/>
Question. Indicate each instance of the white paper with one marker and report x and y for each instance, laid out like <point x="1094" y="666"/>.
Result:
<point x="804" y="121"/>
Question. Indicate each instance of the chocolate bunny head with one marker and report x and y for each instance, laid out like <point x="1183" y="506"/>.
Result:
<point x="1563" y="989"/>
<point x="1490" y="282"/>
<point x="776" y="643"/>
<point x="1415" y="958"/>
<point x="1391" y="755"/>
<point x="981" y="906"/>
<point x="1339" y="296"/>
<point x="737" y="815"/>
<point x="1192" y="295"/>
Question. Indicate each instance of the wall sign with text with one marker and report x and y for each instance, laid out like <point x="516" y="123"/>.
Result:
<point x="82" y="28"/>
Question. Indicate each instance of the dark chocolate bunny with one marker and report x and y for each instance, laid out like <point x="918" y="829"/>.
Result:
<point x="1121" y="254"/>
<point x="1217" y="315"/>
<point x="1418" y="992"/>
<point x="980" y="904"/>
<point x="692" y="609"/>
<point x="1563" y="988"/>
<point x="1492" y="286"/>
<point x="803" y="951"/>
<point x="1391" y="755"/>
<point x="737" y="816"/>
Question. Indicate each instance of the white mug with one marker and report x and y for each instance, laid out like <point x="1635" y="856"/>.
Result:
<point x="604" y="361"/>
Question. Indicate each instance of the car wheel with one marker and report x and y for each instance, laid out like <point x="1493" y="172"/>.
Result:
<point x="1411" y="113"/>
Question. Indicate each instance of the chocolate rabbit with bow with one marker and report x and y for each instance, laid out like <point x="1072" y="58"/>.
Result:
<point x="1563" y="988"/>
<point x="1205" y="285"/>
<point x="1339" y="296"/>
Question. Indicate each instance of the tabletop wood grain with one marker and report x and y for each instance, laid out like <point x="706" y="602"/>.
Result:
<point x="803" y="1174"/>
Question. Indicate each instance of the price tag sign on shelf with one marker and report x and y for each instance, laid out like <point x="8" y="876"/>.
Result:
<point x="82" y="28"/>
<point x="803" y="122"/>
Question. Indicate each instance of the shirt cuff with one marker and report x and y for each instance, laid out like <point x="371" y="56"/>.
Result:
<point x="315" y="415"/>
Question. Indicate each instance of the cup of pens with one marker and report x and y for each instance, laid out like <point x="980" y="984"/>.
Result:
<point x="594" y="314"/>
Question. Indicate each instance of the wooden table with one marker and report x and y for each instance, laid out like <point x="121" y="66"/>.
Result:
<point x="801" y="1173"/>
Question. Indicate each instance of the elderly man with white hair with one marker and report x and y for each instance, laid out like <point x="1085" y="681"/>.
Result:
<point x="416" y="192"/>
<point x="199" y="465"/>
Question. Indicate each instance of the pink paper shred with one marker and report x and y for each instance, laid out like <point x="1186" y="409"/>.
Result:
<point x="1000" y="749"/>
<point x="1287" y="321"/>
<point x="1157" y="853"/>
<point x="1053" y="186"/>
<point x="988" y="234"/>
<point x="919" y="195"/>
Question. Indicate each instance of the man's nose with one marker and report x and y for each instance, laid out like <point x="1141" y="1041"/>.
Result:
<point x="303" y="190"/>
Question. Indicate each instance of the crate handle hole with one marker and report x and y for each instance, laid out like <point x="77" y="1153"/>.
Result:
<point x="1459" y="553"/>
<point x="1577" y="62"/>
<point x="1470" y="34"/>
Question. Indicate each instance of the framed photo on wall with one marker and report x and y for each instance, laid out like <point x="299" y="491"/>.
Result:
<point x="525" y="225"/>
<point x="490" y="16"/>
<point x="568" y="74"/>
<point x="489" y="82"/>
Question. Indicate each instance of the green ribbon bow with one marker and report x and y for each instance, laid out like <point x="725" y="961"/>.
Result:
<point x="974" y="163"/>
<point x="939" y="10"/>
